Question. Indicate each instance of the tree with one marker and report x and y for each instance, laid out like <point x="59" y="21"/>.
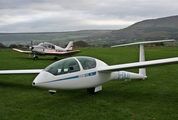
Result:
<point x="2" y="46"/>
<point x="13" y="46"/>
<point x="20" y="46"/>
<point x="80" y="44"/>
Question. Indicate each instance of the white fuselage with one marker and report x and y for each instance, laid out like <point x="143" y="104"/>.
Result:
<point x="42" y="50"/>
<point x="82" y="78"/>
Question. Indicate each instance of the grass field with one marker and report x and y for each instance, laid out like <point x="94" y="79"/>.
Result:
<point x="155" y="98"/>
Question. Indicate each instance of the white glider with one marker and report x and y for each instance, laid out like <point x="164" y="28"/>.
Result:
<point x="88" y="73"/>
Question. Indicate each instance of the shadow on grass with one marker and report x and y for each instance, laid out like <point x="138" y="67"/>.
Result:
<point x="39" y="59"/>
<point x="121" y="95"/>
<point x="13" y="85"/>
<point x="51" y="58"/>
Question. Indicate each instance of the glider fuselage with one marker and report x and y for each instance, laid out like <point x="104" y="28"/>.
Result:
<point x="79" y="73"/>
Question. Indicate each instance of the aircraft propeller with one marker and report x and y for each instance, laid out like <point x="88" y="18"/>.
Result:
<point x="31" y="47"/>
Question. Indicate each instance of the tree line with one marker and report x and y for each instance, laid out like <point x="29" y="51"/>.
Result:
<point x="76" y="44"/>
<point x="13" y="46"/>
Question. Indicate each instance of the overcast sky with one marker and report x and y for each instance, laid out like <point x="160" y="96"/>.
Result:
<point x="72" y="15"/>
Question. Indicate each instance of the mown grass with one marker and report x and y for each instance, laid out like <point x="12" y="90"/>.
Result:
<point x="152" y="99"/>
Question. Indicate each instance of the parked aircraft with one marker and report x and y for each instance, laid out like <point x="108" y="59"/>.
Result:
<point x="89" y="73"/>
<point x="47" y="48"/>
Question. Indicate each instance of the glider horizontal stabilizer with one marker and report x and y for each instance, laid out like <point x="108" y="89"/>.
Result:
<point x="145" y="42"/>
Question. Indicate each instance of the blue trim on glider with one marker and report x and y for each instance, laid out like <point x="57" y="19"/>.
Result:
<point x="74" y="77"/>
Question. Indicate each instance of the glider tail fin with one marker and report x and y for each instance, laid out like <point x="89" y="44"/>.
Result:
<point x="69" y="46"/>
<point x="142" y="71"/>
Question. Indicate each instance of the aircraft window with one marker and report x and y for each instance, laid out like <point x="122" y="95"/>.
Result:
<point x="43" y="45"/>
<point x="87" y="62"/>
<point x="49" y="46"/>
<point x="53" y="47"/>
<point x="68" y="65"/>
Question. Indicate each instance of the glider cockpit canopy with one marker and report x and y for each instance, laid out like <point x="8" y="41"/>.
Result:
<point x="70" y="65"/>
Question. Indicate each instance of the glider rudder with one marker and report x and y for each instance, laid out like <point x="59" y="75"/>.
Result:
<point x="142" y="71"/>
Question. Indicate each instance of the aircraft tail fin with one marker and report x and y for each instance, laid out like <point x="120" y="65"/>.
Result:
<point x="69" y="46"/>
<point x="142" y="71"/>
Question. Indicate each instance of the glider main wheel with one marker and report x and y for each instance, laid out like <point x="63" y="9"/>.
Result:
<point x="91" y="90"/>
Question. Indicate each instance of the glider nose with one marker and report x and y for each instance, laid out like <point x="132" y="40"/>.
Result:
<point x="42" y="80"/>
<point x="39" y="79"/>
<point x="33" y="83"/>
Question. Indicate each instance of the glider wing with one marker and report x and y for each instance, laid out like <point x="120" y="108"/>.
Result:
<point x="137" y="64"/>
<point x="32" y="71"/>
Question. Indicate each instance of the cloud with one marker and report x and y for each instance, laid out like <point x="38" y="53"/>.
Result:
<point x="71" y="15"/>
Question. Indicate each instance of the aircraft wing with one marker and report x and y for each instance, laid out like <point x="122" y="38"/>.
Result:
<point x="62" y="53"/>
<point x="21" y="51"/>
<point x="20" y="71"/>
<point x="137" y="64"/>
<point x="145" y="42"/>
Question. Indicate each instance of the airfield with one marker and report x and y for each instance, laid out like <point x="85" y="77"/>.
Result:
<point x="155" y="98"/>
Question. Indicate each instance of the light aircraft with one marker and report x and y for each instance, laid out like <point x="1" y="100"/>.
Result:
<point x="47" y="48"/>
<point x="89" y="73"/>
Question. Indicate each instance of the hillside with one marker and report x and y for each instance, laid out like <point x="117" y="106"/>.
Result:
<point x="160" y="28"/>
<point x="152" y="29"/>
<point x="54" y="37"/>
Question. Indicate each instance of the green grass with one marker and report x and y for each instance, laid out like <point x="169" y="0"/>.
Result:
<point x="152" y="99"/>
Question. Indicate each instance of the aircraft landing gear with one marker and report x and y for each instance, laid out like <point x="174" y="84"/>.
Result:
<point x="91" y="90"/>
<point x="35" y="57"/>
<point x="94" y="90"/>
<point x="55" y="58"/>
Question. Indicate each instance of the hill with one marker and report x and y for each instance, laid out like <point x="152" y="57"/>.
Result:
<point x="54" y="37"/>
<point x="151" y="29"/>
<point x="160" y="28"/>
